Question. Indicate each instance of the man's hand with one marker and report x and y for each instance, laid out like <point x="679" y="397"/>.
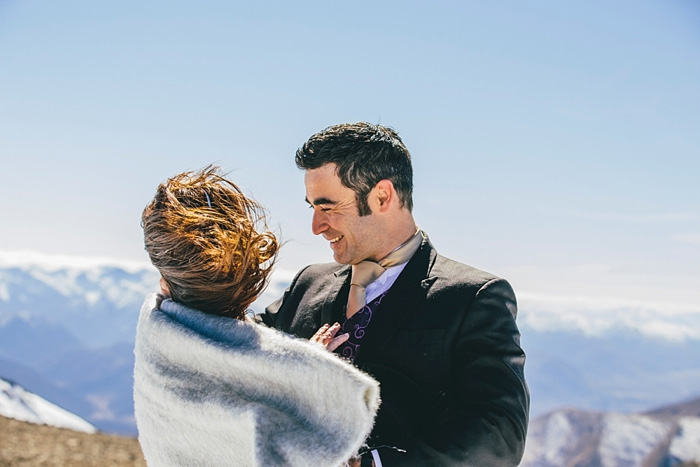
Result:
<point x="326" y="337"/>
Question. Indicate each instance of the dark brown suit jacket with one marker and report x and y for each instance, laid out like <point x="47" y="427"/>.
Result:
<point x="445" y="349"/>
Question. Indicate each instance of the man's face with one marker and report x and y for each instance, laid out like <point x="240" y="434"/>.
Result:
<point x="352" y="238"/>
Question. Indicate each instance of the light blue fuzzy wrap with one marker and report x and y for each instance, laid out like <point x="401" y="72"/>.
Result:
<point x="214" y="391"/>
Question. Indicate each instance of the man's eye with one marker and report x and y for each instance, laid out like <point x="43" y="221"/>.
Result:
<point x="320" y="208"/>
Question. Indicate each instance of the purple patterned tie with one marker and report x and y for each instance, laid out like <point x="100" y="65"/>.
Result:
<point x="355" y="326"/>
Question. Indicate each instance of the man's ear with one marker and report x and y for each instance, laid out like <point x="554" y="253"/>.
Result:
<point x="164" y="289"/>
<point x="384" y="194"/>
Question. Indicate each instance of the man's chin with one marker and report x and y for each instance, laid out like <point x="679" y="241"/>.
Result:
<point x="340" y="259"/>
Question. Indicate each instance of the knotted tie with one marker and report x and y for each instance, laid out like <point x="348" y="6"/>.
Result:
<point x="366" y="272"/>
<point x="363" y="273"/>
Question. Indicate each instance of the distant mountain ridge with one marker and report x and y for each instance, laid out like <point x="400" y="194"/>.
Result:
<point x="96" y="303"/>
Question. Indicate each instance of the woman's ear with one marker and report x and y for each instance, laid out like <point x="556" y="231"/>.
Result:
<point x="164" y="290"/>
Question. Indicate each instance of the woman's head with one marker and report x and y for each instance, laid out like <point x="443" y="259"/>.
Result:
<point x="209" y="241"/>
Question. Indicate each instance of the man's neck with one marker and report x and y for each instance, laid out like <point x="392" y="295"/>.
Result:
<point x="400" y="233"/>
<point x="405" y="237"/>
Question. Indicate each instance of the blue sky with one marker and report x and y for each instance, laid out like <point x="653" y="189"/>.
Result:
<point x="554" y="143"/>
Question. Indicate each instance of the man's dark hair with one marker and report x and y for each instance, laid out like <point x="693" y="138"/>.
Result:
<point x="364" y="155"/>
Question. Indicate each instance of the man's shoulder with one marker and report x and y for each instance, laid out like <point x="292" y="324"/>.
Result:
<point x="315" y="275"/>
<point x="454" y="271"/>
<point x="449" y="271"/>
<point x="325" y="270"/>
<point x="310" y="285"/>
<point x="454" y="277"/>
<point x="454" y="281"/>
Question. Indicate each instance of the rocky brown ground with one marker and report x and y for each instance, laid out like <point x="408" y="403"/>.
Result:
<point x="27" y="444"/>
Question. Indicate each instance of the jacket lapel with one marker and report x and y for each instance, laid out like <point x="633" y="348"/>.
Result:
<point x="404" y="298"/>
<point x="338" y="287"/>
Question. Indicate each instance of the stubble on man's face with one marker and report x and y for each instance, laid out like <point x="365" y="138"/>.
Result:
<point x="336" y="218"/>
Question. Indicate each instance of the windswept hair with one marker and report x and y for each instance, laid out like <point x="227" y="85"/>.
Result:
<point x="364" y="155"/>
<point x="209" y="241"/>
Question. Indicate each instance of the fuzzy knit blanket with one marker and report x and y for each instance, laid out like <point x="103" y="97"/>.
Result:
<point x="213" y="391"/>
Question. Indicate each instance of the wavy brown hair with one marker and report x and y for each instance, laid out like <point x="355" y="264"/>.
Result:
<point x="209" y="241"/>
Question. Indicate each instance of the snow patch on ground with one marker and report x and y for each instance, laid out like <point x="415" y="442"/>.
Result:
<point x="686" y="444"/>
<point x="20" y="404"/>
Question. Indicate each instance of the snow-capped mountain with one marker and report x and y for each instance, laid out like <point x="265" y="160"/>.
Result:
<point x="18" y="403"/>
<point x="96" y="300"/>
<point x="576" y="437"/>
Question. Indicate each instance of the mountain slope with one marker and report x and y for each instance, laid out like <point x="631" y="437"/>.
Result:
<point x="37" y="383"/>
<point x="571" y="437"/>
<point x="18" y="403"/>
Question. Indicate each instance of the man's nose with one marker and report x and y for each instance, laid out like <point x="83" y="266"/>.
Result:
<point x="319" y="222"/>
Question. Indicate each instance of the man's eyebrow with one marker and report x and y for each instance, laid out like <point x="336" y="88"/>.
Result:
<point x="321" y="200"/>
